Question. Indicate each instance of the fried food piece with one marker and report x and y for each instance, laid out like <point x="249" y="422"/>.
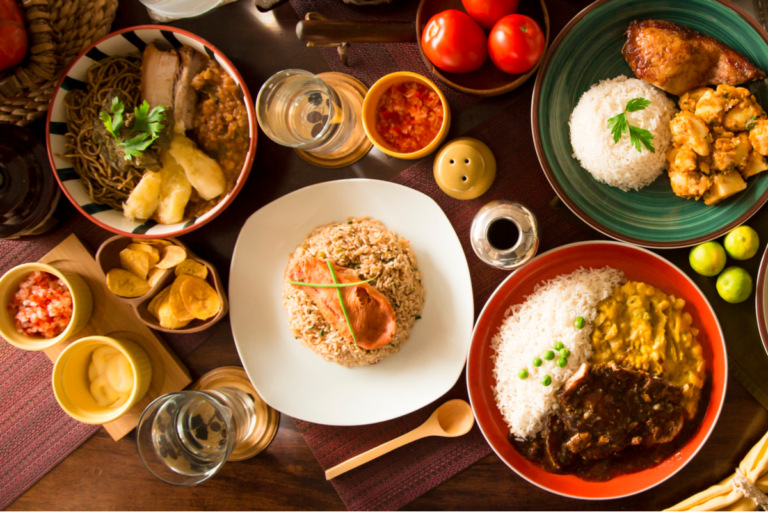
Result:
<point x="758" y="136"/>
<point x="689" y="184"/>
<point x="711" y="107"/>
<point x="690" y="100"/>
<point x="730" y="153"/>
<point x="743" y="115"/>
<point x="756" y="163"/>
<point x="724" y="186"/>
<point x="678" y="59"/>
<point x="689" y="130"/>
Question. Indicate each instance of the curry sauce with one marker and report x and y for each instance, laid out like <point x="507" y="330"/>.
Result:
<point x="642" y="328"/>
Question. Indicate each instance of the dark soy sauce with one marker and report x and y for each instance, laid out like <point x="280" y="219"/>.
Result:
<point x="503" y="234"/>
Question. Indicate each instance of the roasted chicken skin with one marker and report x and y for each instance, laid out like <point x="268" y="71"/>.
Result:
<point x="370" y="312"/>
<point x="678" y="59"/>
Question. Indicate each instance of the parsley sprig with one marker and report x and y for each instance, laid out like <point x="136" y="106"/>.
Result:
<point x="619" y="124"/>
<point x="146" y="124"/>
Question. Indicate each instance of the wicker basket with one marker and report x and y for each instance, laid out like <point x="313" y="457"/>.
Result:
<point x="58" y="30"/>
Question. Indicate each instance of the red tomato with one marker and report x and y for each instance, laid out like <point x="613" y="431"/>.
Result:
<point x="488" y="12"/>
<point x="453" y="42"/>
<point x="13" y="34"/>
<point x="516" y="43"/>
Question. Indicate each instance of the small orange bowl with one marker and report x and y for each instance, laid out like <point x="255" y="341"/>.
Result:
<point x="371" y="103"/>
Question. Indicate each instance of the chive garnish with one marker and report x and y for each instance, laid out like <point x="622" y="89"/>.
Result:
<point x="341" y="301"/>
<point x="335" y="285"/>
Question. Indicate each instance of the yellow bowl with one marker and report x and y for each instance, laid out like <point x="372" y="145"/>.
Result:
<point x="72" y="387"/>
<point x="82" y="306"/>
<point x="372" y="101"/>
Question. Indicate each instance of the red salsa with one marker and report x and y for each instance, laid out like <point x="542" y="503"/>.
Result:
<point x="42" y="306"/>
<point x="409" y="116"/>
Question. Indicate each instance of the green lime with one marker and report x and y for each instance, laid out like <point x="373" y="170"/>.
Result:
<point x="734" y="285"/>
<point x="741" y="243"/>
<point x="707" y="259"/>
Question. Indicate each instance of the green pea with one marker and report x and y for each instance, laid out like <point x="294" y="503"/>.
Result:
<point x="562" y="362"/>
<point x="549" y="355"/>
<point x="523" y="374"/>
<point x="579" y="322"/>
<point x="559" y="345"/>
<point x="565" y="352"/>
<point x="536" y="361"/>
<point x="546" y="380"/>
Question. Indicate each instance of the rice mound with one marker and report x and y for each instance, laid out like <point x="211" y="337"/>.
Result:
<point x="372" y="250"/>
<point x="533" y="327"/>
<point x="620" y="164"/>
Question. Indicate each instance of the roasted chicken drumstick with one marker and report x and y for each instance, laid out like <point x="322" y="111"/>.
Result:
<point x="678" y="59"/>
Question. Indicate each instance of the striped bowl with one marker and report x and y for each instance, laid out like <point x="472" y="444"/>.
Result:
<point x="588" y="50"/>
<point x="124" y="42"/>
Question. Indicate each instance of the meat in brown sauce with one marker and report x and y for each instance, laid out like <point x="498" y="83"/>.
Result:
<point x="612" y="421"/>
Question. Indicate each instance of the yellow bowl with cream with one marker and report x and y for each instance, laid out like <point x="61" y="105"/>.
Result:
<point x="82" y="306"/>
<point x="370" y="111"/>
<point x="80" y="388"/>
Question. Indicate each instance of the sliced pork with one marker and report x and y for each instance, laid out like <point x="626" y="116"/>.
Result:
<point x="158" y="76"/>
<point x="184" y="95"/>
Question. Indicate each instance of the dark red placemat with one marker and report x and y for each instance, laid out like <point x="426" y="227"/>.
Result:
<point x="36" y="434"/>
<point x="399" y="477"/>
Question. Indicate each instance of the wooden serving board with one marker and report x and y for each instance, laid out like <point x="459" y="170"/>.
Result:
<point x="113" y="317"/>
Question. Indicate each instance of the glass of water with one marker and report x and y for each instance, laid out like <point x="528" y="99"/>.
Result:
<point x="317" y="115"/>
<point x="184" y="438"/>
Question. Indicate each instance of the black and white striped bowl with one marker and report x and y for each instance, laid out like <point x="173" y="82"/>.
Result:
<point x="125" y="42"/>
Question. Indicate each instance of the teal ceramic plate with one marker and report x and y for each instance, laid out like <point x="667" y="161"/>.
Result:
<point x="589" y="50"/>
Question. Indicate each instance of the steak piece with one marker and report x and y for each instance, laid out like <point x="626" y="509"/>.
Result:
<point x="605" y="408"/>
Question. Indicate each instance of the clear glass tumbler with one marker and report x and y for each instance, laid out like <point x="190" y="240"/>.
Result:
<point x="298" y="109"/>
<point x="185" y="438"/>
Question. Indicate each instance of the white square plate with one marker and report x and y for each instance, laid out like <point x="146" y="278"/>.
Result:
<point x="298" y="382"/>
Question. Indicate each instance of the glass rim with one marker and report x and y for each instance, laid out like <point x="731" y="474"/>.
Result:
<point x="166" y="397"/>
<point x="320" y="82"/>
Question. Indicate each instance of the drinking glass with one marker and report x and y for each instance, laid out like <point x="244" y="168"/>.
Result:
<point x="317" y="115"/>
<point x="185" y="438"/>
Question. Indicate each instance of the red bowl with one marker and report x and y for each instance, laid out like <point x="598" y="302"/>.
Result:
<point x="639" y="265"/>
<point x="123" y="42"/>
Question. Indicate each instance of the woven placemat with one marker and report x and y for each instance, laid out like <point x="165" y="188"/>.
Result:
<point x="399" y="477"/>
<point x="37" y="434"/>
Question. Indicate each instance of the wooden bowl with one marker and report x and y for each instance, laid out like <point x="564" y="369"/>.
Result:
<point x="108" y="257"/>
<point x="488" y="80"/>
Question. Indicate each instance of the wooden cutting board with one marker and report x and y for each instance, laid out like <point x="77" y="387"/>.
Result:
<point x="111" y="317"/>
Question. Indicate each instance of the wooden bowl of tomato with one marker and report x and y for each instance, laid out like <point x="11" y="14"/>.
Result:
<point x="465" y="52"/>
<point x="456" y="41"/>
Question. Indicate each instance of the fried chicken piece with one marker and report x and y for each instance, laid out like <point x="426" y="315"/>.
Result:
<point x="678" y="59"/>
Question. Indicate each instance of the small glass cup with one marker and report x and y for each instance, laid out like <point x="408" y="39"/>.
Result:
<point x="319" y="116"/>
<point x="185" y="438"/>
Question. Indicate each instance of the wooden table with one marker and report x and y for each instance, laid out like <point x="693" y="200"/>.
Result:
<point x="103" y="474"/>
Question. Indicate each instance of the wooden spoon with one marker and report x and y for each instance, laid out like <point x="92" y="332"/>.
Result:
<point x="452" y="419"/>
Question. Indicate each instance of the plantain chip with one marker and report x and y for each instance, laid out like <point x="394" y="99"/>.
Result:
<point x="200" y="299"/>
<point x="136" y="262"/>
<point x="155" y="302"/>
<point x="171" y="256"/>
<point x="178" y="309"/>
<point x="154" y="253"/>
<point x="166" y="317"/>
<point x="154" y="275"/>
<point x="192" y="268"/>
<point x="126" y="284"/>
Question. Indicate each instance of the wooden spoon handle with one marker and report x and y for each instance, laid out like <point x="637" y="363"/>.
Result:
<point x="374" y="453"/>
